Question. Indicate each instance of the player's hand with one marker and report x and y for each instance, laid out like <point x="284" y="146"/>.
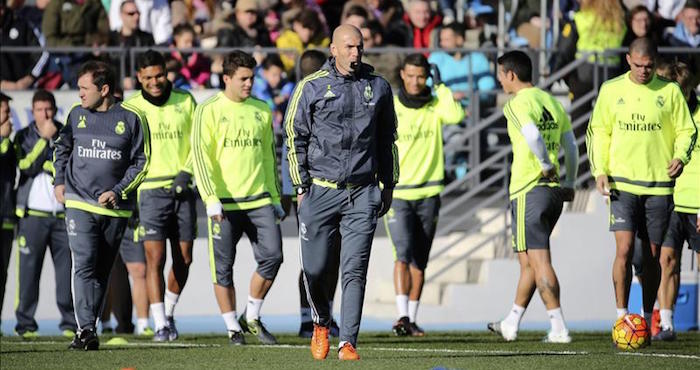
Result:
<point x="300" y="197"/>
<point x="279" y="212"/>
<point x="697" y="225"/>
<point x="181" y="185"/>
<point x="59" y="191"/>
<point x="5" y="128"/>
<point x="567" y="194"/>
<point x="551" y="174"/>
<point x="108" y="199"/>
<point x="601" y="183"/>
<point x="675" y="168"/>
<point x="435" y="74"/>
<point x="217" y="218"/>
<point x="387" y="196"/>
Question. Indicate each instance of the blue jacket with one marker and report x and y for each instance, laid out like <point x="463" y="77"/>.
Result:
<point x="102" y="151"/>
<point x="341" y="129"/>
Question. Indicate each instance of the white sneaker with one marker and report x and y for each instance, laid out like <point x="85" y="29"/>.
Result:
<point x="508" y="332"/>
<point x="562" y="337"/>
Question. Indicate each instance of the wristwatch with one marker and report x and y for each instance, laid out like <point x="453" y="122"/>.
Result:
<point x="302" y="190"/>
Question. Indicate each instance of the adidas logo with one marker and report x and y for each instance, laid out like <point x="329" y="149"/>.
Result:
<point x="621" y="101"/>
<point x="329" y="94"/>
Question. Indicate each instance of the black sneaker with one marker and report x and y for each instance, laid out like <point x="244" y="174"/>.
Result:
<point x="402" y="327"/>
<point x="306" y="329"/>
<point x="87" y="340"/>
<point x="666" y="335"/>
<point x="416" y="330"/>
<point x="257" y="328"/>
<point x="334" y="329"/>
<point x="236" y="338"/>
<point x="171" y="328"/>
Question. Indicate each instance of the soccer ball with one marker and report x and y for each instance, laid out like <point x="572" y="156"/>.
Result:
<point x="631" y="332"/>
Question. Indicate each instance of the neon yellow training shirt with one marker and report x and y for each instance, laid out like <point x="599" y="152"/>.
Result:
<point x="171" y="128"/>
<point x="635" y="131"/>
<point x="533" y="105"/>
<point x="234" y="153"/>
<point x="686" y="194"/>
<point x="419" y="131"/>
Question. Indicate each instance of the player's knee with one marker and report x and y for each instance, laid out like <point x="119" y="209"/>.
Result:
<point x="269" y="268"/>
<point x="137" y="270"/>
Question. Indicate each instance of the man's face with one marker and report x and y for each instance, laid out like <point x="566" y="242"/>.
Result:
<point x="450" y="40"/>
<point x="130" y="16"/>
<point x="367" y="38"/>
<point x="246" y="18"/>
<point x="240" y="84"/>
<point x="641" y="67"/>
<point x="273" y="75"/>
<point x="505" y="79"/>
<point x="153" y="79"/>
<point x="691" y="20"/>
<point x="414" y="78"/>
<point x="348" y="52"/>
<point x="4" y="112"/>
<point x="90" y="95"/>
<point x="303" y="32"/>
<point x="43" y="111"/>
<point x="184" y="40"/>
<point x="419" y="13"/>
<point x="640" y="24"/>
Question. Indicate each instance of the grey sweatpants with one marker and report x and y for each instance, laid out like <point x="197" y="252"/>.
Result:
<point x="35" y="233"/>
<point x="94" y="243"/>
<point x="323" y="212"/>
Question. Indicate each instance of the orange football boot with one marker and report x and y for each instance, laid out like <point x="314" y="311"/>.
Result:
<point x="319" y="342"/>
<point x="348" y="352"/>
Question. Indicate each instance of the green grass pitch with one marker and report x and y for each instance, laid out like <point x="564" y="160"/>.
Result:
<point x="451" y="350"/>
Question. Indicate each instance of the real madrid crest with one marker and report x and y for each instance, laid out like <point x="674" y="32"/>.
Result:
<point x="119" y="128"/>
<point x="368" y="93"/>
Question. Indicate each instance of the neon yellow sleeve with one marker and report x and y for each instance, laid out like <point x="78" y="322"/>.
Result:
<point x="598" y="136"/>
<point x="686" y="132"/>
<point x="189" y="162"/>
<point x="450" y="110"/>
<point x="272" y="183"/>
<point x="201" y="150"/>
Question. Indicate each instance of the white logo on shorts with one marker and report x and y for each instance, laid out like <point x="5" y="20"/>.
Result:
<point x="151" y="232"/>
<point x="71" y="227"/>
<point x="302" y="231"/>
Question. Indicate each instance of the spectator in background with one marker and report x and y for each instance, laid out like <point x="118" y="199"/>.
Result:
<point x="687" y="34"/>
<point x="155" y="18"/>
<point x="8" y="174"/>
<point x="247" y="28"/>
<point x="73" y="23"/>
<point x="271" y="86"/>
<point x="19" y="70"/>
<point x="385" y="11"/>
<point x="33" y="13"/>
<point x="385" y="64"/>
<point x="290" y="9"/>
<point x="455" y="67"/>
<point x="417" y="28"/>
<point x="669" y="9"/>
<point x="306" y="33"/>
<point x="640" y="23"/>
<point x="129" y="36"/>
<point x="195" y="66"/>
<point x="355" y="15"/>
<point x="173" y="67"/>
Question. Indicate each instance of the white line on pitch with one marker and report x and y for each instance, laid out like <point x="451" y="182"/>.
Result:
<point x="433" y="350"/>
<point x="693" y="357"/>
<point x="131" y="344"/>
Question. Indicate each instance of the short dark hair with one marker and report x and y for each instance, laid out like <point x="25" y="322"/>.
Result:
<point x="43" y="95"/>
<point x="310" y="62"/>
<point x="644" y="46"/>
<point x="517" y="62"/>
<point x="416" y="59"/>
<point x="150" y="58"/>
<point x="102" y="74"/>
<point x="458" y="28"/>
<point x="182" y="28"/>
<point x="309" y="19"/>
<point x="237" y="59"/>
<point x="375" y="28"/>
<point x="4" y="98"/>
<point x="692" y="4"/>
<point x="357" y="10"/>
<point x="121" y="7"/>
<point x="272" y="60"/>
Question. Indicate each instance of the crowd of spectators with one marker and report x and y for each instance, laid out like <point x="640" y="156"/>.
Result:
<point x="297" y="25"/>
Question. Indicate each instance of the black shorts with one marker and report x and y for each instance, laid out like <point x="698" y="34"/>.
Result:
<point x="534" y="215"/>
<point x="163" y="217"/>
<point x="682" y="228"/>
<point x="645" y="215"/>
<point x="410" y="225"/>
<point x="131" y="248"/>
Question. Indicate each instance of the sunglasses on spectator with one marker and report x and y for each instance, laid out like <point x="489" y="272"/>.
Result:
<point x="131" y="14"/>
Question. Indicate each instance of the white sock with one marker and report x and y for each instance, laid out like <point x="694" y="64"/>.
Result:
<point x="514" y="316"/>
<point x="306" y="314"/>
<point x="412" y="310"/>
<point x="107" y="324"/>
<point x="647" y="318"/>
<point x="141" y="325"/>
<point x="621" y="312"/>
<point x="556" y="319"/>
<point x="341" y="344"/>
<point x="158" y="313"/>
<point x="402" y="305"/>
<point x="170" y="302"/>
<point x="253" y="308"/>
<point x="230" y="321"/>
<point x="666" y="319"/>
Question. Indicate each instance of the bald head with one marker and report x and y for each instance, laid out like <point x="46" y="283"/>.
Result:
<point x="347" y="48"/>
<point x="643" y="46"/>
<point x="345" y="30"/>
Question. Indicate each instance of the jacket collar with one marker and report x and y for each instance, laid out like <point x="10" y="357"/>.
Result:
<point x="364" y="70"/>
